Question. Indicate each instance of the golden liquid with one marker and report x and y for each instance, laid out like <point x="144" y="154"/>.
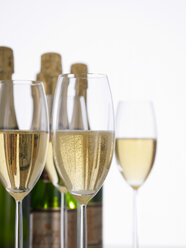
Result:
<point x="136" y="158"/>
<point x="83" y="158"/>
<point x="52" y="172"/>
<point x="22" y="158"/>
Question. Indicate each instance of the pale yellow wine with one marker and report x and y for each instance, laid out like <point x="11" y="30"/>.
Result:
<point x="83" y="158"/>
<point x="22" y="158"/>
<point x="51" y="169"/>
<point x="136" y="158"/>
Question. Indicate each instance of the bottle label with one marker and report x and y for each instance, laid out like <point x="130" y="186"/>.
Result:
<point x="94" y="225"/>
<point x="72" y="228"/>
<point x="45" y="229"/>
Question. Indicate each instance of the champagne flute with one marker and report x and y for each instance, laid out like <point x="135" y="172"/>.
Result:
<point x="136" y="141"/>
<point x="83" y="156"/>
<point x="23" y="150"/>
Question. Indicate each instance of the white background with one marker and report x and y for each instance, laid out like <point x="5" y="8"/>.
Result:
<point x="141" y="45"/>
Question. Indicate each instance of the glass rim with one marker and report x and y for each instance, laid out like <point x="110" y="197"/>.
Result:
<point x="22" y="82"/>
<point x="135" y="101"/>
<point x="83" y="75"/>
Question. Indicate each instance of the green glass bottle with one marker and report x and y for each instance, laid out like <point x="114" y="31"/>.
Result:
<point x="45" y="197"/>
<point x="7" y="203"/>
<point x="95" y="206"/>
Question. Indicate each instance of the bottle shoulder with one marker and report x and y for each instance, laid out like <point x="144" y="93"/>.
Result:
<point x="45" y="196"/>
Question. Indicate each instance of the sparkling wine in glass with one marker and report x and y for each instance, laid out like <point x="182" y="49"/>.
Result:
<point x="83" y="156"/>
<point x="23" y="150"/>
<point x="136" y="141"/>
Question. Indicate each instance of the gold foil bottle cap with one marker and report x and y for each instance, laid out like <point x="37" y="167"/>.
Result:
<point x="51" y="64"/>
<point x="79" y="68"/>
<point x="6" y="62"/>
<point x="50" y="69"/>
<point x="82" y="83"/>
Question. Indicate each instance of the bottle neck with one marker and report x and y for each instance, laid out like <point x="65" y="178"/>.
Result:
<point x="50" y="99"/>
<point x="7" y="107"/>
<point x="44" y="177"/>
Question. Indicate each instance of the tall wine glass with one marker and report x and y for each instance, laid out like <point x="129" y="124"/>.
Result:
<point x="23" y="149"/>
<point x="83" y="153"/>
<point x="136" y="141"/>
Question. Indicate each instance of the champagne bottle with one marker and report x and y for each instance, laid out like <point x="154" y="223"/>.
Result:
<point x="45" y="197"/>
<point x="7" y="203"/>
<point x="94" y="207"/>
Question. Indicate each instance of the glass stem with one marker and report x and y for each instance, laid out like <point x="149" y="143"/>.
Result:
<point x="78" y="224"/>
<point x="135" y="233"/>
<point x="63" y="222"/>
<point x="83" y="227"/>
<point x="19" y="225"/>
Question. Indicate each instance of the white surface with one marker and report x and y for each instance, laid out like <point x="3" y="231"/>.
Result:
<point x="141" y="45"/>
